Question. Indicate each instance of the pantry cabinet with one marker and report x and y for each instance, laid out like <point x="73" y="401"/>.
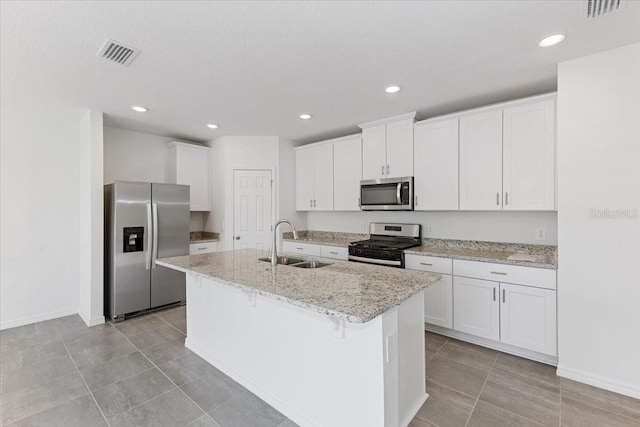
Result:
<point x="387" y="147"/>
<point x="436" y="165"/>
<point x="314" y="177"/>
<point x="188" y="164"/>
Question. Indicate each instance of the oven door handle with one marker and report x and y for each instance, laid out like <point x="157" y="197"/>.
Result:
<point x="374" y="260"/>
<point x="399" y="193"/>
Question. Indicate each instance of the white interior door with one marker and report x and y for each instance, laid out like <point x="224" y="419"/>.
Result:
<point x="252" y="209"/>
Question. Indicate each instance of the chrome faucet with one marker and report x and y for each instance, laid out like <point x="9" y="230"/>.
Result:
<point x="274" y="250"/>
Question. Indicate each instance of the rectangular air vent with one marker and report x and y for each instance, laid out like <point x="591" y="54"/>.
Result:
<point x="596" y="8"/>
<point x="118" y="52"/>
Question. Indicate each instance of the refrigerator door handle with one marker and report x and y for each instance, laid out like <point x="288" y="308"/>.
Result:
<point x="155" y="235"/>
<point x="149" y="236"/>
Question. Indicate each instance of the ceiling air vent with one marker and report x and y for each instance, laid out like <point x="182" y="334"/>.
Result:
<point x="118" y="52"/>
<point x="596" y="8"/>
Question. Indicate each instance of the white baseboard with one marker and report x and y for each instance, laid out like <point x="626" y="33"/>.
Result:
<point x="27" y="320"/>
<point x="99" y="320"/>
<point x="598" y="381"/>
<point x="267" y="395"/>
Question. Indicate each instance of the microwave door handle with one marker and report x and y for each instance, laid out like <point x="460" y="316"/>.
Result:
<point x="399" y="193"/>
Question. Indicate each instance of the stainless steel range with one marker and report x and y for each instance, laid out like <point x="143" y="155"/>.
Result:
<point x="386" y="244"/>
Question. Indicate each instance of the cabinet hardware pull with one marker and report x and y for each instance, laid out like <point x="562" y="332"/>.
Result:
<point x="504" y="295"/>
<point x="388" y="170"/>
<point x="201" y="249"/>
<point x="335" y="253"/>
<point x="314" y="203"/>
<point x="300" y="249"/>
<point x="310" y="203"/>
<point x="425" y="263"/>
<point x="506" y="198"/>
<point x="499" y="272"/>
<point x="416" y="200"/>
<point x="382" y="172"/>
<point x="494" y="294"/>
<point x="498" y="199"/>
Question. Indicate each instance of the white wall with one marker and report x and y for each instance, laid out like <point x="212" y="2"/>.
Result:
<point x="599" y="258"/>
<point x="39" y="213"/>
<point x="513" y="227"/>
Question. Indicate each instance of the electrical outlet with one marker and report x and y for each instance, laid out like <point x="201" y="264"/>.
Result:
<point x="429" y="230"/>
<point x="541" y="233"/>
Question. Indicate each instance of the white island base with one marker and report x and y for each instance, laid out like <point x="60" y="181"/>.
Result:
<point x="315" y="369"/>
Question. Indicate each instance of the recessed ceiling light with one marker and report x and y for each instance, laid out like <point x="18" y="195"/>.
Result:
<point x="212" y="126"/>
<point x="139" y="109"/>
<point x="551" y="40"/>
<point x="305" y="116"/>
<point x="392" y="89"/>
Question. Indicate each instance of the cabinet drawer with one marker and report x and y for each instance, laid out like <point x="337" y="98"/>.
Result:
<point x="335" y="252"/>
<point x="530" y="276"/>
<point x="203" y="248"/>
<point x="428" y="263"/>
<point x="301" y="248"/>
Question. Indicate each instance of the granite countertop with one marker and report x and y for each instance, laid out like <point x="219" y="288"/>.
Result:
<point x="545" y="256"/>
<point x="203" y="237"/>
<point x="350" y="291"/>
<point x="326" y="238"/>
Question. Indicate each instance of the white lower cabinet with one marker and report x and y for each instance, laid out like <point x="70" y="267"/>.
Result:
<point x="335" y="252"/>
<point x="528" y="318"/>
<point x="438" y="302"/>
<point x="203" y="248"/>
<point x="476" y="307"/>
<point x="301" y="248"/>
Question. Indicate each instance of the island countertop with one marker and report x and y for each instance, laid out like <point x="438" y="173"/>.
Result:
<point x="350" y="291"/>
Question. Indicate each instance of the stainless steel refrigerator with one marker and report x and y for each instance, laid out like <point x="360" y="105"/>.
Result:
<point x="143" y="222"/>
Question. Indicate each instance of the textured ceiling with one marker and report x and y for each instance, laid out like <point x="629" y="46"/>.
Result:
<point x="253" y="67"/>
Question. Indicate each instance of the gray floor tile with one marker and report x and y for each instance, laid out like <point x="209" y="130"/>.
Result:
<point x="212" y="390"/>
<point x="246" y="410"/>
<point x="104" y="335"/>
<point x="517" y="394"/>
<point x="288" y="423"/>
<point x="485" y="415"/>
<point x="603" y="399"/>
<point x="156" y="336"/>
<point x="445" y="407"/>
<point x="577" y="412"/>
<point x="173" y="314"/>
<point x="539" y="371"/>
<point x="71" y="326"/>
<point x="115" y="370"/>
<point x="433" y="342"/>
<point x="456" y="376"/>
<point x="180" y="325"/>
<point x="417" y="422"/>
<point x="170" y="409"/>
<point x="102" y="353"/>
<point x="136" y="325"/>
<point x="469" y="354"/>
<point x="24" y="337"/>
<point x="32" y="400"/>
<point x="80" y="412"/>
<point x="28" y="376"/>
<point x="31" y="356"/>
<point x="203" y="421"/>
<point x="186" y="369"/>
<point x="128" y="393"/>
<point x="167" y="352"/>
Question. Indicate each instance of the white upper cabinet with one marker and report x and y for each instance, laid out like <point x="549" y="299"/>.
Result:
<point x="481" y="161"/>
<point x="347" y="173"/>
<point x="188" y="164"/>
<point x="436" y="165"/>
<point x="387" y="147"/>
<point x="314" y="177"/>
<point x="529" y="156"/>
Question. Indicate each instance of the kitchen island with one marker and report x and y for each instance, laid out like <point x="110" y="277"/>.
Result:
<point x="339" y="345"/>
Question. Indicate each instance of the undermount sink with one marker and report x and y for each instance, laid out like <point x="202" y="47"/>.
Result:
<point x="311" y="264"/>
<point x="284" y="260"/>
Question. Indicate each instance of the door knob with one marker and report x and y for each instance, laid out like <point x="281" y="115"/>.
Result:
<point x="237" y="237"/>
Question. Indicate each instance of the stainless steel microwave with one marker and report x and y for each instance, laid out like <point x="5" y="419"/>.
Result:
<point x="389" y="194"/>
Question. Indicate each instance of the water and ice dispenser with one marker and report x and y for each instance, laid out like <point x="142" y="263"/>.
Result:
<point x="133" y="238"/>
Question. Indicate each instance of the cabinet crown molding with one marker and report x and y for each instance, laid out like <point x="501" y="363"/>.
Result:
<point x="411" y="115"/>
<point x="187" y="144"/>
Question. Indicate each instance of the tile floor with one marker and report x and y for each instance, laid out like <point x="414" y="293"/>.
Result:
<point x="138" y="373"/>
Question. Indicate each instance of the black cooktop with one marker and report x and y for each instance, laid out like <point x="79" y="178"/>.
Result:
<point x="385" y="244"/>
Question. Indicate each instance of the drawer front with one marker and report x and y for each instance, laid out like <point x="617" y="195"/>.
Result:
<point x="335" y="252"/>
<point x="301" y="248"/>
<point x="428" y="263"/>
<point x="530" y="276"/>
<point x="203" y="248"/>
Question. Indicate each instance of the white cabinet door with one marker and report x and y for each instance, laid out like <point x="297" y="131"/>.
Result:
<point x="203" y="248"/>
<point x="300" y="248"/>
<point x="476" y="307"/>
<point x="323" y="177"/>
<point x="481" y="161"/>
<point x="436" y="165"/>
<point x="304" y="179"/>
<point x="400" y="148"/>
<point x="528" y="318"/>
<point x="189" y="165"/>
<point x="529" y="156"/>
<point x="374" y="152"/>
<point x="347" y="173"/>
<point x="438" y="302"/>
